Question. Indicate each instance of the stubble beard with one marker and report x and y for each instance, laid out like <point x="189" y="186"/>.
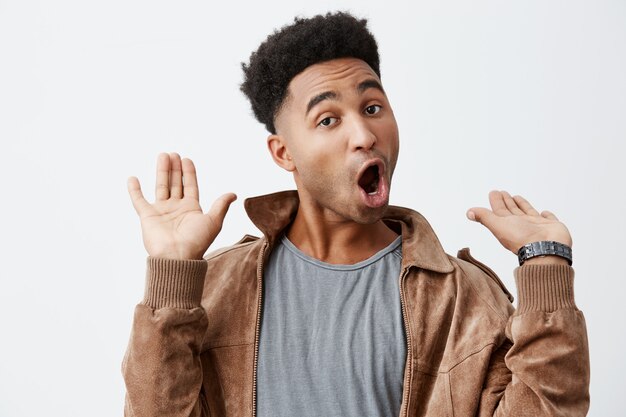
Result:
<point x="340" y="195"/>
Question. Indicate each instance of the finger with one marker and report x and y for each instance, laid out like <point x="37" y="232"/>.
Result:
<point x="497" y="203"/>
<point x="523" y="204"/>
<point x="483" y="216"/>
<point x="136" y="196"/>
<point x="511" y="204"/>
<point x="162" y="188"/>
<point x="190" y="180"/>
<point x="176" y="176"/>
<point x="549" y="215"/>
<point x="218" y="210"/>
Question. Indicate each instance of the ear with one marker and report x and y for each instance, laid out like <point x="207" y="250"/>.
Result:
<point x="277" y="146"/>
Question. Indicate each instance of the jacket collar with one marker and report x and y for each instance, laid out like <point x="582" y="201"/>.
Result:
<point x="271" y="213"/>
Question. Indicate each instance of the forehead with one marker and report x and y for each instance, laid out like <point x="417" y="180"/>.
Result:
<point x="335" y="75"/>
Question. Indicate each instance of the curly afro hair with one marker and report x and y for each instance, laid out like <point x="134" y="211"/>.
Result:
<point x="293" y="48"/>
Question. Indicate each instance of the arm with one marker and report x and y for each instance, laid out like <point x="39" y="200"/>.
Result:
<point x="543" y="367"/>
<point x="161" y="367"/>
<point x="545" y="371"/>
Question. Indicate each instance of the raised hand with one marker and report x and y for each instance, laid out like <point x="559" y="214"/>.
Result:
<point x="174" y="226"/>
<point x="514" y="222"/>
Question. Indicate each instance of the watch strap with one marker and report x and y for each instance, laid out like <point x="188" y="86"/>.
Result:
<point x="544" y="247"/>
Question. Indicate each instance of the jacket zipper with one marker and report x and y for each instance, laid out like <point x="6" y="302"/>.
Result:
<point x="259" y="278"/>
<point x="409" y="376"/>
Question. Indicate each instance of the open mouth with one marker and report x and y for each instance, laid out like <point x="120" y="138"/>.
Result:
<point x="370" y="180"/>
<point x="373" y="184"/>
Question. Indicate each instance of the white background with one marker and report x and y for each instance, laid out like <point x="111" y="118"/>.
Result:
<point x="526" y="96"/>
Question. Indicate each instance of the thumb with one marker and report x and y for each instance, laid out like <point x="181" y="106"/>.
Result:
<point x="481" y="215"/>
<point x="220" y="207"/>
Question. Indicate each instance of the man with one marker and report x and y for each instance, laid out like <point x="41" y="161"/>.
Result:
<point x="346" y="306"/>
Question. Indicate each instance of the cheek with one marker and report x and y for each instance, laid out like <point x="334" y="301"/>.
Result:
<point x="396" y="148"/>
<point x="315" y="157"/>
<point x="317" y="167"/>
<point x="394" y="140"/>
<point x="322" y="170"/>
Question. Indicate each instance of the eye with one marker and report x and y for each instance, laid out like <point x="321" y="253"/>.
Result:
<point x="327" y="121"/>
<point x="373" y="109"/>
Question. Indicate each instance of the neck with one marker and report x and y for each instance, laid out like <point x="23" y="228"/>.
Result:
<point x="327" y="237"/>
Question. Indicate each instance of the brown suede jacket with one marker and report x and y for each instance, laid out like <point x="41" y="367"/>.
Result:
<point x="194" y="342"/>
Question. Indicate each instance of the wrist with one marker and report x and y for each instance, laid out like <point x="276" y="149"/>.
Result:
<point x="546" y="260"/>
<point x="176" y="255"/>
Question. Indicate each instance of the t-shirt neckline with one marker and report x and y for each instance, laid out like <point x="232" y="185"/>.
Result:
<point x="341" y="267"/>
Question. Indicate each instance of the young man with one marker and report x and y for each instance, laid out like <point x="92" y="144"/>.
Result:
<point x="346" y="306"/>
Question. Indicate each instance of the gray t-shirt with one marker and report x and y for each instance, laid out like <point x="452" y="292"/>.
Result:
<point x="332" y="339"/>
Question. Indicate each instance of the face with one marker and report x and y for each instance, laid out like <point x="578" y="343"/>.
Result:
<point x="337" y="133"/>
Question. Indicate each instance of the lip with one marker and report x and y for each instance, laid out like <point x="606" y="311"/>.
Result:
<point x="381" y="197"/>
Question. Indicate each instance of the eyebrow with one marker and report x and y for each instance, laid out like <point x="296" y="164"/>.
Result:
<point x="369" y="84"/>
<point x="332" y="95"/>
<point x="326" y="95"/>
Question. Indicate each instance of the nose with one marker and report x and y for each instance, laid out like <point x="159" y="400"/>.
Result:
<point x="362" y="136"/>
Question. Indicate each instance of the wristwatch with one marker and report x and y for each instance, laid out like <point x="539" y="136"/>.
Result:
<point x="544" y="247"/>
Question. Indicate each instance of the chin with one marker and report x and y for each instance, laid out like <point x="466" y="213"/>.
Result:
<point x="368" y="215"/>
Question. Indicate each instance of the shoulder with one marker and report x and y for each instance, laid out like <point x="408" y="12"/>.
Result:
<point x="232" y="270"/>
<point x="246" y="246"/>
<point x="482" y="282"/>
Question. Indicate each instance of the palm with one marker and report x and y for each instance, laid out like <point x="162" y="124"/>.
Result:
<point x="180" y="223"/>
<point x="514" y="222"/>
<point x="174" y="226"/>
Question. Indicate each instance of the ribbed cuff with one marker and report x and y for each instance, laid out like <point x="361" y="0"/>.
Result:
<point x="174" y="283"/>
<point x="544" y="288"/>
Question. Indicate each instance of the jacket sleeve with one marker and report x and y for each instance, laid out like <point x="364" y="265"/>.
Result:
<point x="543" y="367"/>
<point x="161" y="368"/>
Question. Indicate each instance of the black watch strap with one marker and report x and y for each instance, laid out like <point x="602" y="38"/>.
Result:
<point x="544" y="247"/>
